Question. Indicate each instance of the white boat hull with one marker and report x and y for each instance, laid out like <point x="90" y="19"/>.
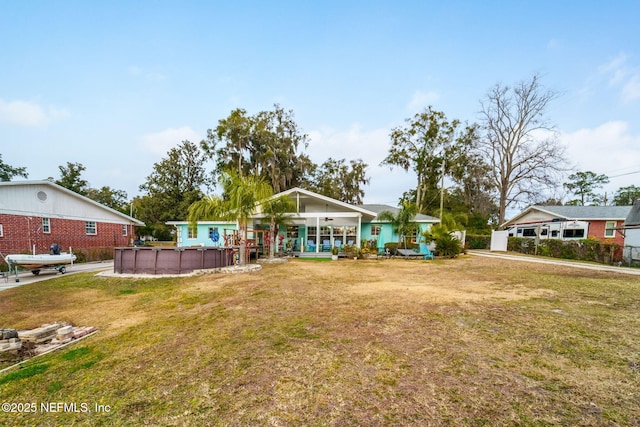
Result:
<point x="39" y="260"/>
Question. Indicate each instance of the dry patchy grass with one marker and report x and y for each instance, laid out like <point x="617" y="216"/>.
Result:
<point x="470" y="341"/>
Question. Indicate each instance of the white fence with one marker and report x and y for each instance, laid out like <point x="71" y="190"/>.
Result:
<point x="631" y="255"/>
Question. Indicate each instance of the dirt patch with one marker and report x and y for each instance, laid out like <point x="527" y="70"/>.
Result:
<point x="452" y="292"/>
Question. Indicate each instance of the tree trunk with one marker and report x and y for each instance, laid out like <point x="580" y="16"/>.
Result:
<point x="272" y="240"/>
<point x="242" y="235"/>
<point x="502" y="209"/>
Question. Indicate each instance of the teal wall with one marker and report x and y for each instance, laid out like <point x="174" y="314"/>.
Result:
<point x="386" y="233"/>
<point x="203" y="234"/>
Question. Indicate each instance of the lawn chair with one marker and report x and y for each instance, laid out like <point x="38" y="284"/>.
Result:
<point x="338" y="243"/>
<point x="311" y="246"/>
<point x="326" y="245"/>
<point x="426" y="252"/>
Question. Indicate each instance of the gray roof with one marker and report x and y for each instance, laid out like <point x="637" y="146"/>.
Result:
<point x="634" y="215"/>
<point x="587" y="212"/>
<point x="378" y="209"/>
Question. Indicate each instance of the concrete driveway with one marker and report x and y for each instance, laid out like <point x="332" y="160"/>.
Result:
<point x="555" y="261"/>
<point x="27" y="277"/>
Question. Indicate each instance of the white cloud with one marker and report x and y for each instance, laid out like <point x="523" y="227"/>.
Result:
<point x="353" y="143"/>
<point x="29" y="114"/>
<point x="608" y="149"/>
<point x="421" y="100"/>
<point x="622" y="75"/>
<point x="553" y="44"/>
<point x="631" y="89"/>
<point x="139" y="72"/>
<point x="372" y="146"/>
<point x="160" y="143"/>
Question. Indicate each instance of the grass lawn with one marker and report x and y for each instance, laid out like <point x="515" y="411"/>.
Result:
<point x="469" y="341"/>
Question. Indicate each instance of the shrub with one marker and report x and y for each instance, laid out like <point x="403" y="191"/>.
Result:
<point x="448" y="246"/>
<point x="585" y="249"/>
<point x="478" y="241"/>
<point x="392" y="247"/>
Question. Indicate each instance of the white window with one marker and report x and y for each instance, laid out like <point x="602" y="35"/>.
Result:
<point x="124" y="230"/>
<point x="610" y="229"/>
<point x="90" y="227"/>
<point x="192" y="233"/>
<point x="1" y="235"/>
<point x="573" y="233"/>
<point x="46" y="225"/>
<point x="375" y="230"/>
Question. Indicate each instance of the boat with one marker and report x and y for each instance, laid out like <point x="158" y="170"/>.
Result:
<point x="31" y="262"/>
<point x="55" y="260"/>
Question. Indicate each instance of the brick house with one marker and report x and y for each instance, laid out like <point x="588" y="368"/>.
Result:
<point x="570" y="223"/>
<point x="35" y="214"/>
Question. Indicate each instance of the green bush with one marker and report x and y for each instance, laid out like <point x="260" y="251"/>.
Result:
<point x="584" y="250"/>
<point x="448" y="246"/>
<point x="478" y="241"/>
<point x="392" y="247"/>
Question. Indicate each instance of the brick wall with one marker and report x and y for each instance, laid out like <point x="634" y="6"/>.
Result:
<point x="596" y="231"/>
<point x="20" y="233"/>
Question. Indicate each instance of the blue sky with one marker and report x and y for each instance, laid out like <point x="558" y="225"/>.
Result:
<point x="114" y="85"/>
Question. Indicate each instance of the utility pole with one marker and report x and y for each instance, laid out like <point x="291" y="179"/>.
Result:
<point x="442" y="191"/>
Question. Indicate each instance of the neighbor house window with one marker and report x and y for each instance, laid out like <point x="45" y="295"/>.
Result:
<point x="192" y="232"/>
<point x="574" y="233"/>
<point x="90" y="227"/>
<point x="610" y="229"/>
<point x="1" y="235"/>
<point x="124" y="230"/>
<point x="46" y="225"/>
<point x="529" y="232"/>
<point x="375" y="230"/>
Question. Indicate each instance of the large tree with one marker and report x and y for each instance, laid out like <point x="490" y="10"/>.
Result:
<point x="473" y="193"/>
<point x="176" y="182"/>
<point x="268" y="144"/>
<point x="627" y="196"/>
<point x="70" y="178"/>
<point x="583" y="185"/>
<point x="115" y="199"/>
<point x="7" y="172"/>
<point x="239" y="202"/>
<point x="341" y="181"/>
<point x="519" y="143"/>
<point x="431" y="146"/>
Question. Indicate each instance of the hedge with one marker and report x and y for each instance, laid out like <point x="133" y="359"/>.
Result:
<point x="584" y="249"/>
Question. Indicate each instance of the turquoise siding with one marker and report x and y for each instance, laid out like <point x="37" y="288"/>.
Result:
<point x="203" y="239"/>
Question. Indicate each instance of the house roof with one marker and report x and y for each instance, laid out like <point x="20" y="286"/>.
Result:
<point x="580" y="213"/>
<point x="378" y="209"/>
<point x="71" y="194"/>
<point x="633" y="219"/>
<point x="311" y="194"/>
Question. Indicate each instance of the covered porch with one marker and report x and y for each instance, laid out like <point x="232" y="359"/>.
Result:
<point x="320" y="223"/>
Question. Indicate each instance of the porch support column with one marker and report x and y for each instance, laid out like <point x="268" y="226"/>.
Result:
<point x="358" y="231"/>
<point x="317" y="234"/>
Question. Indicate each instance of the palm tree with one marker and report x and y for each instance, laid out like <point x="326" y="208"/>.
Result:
<point x="276" y="214"/>
<point x="241" y="197"/>
<point x="402" y="222"/>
